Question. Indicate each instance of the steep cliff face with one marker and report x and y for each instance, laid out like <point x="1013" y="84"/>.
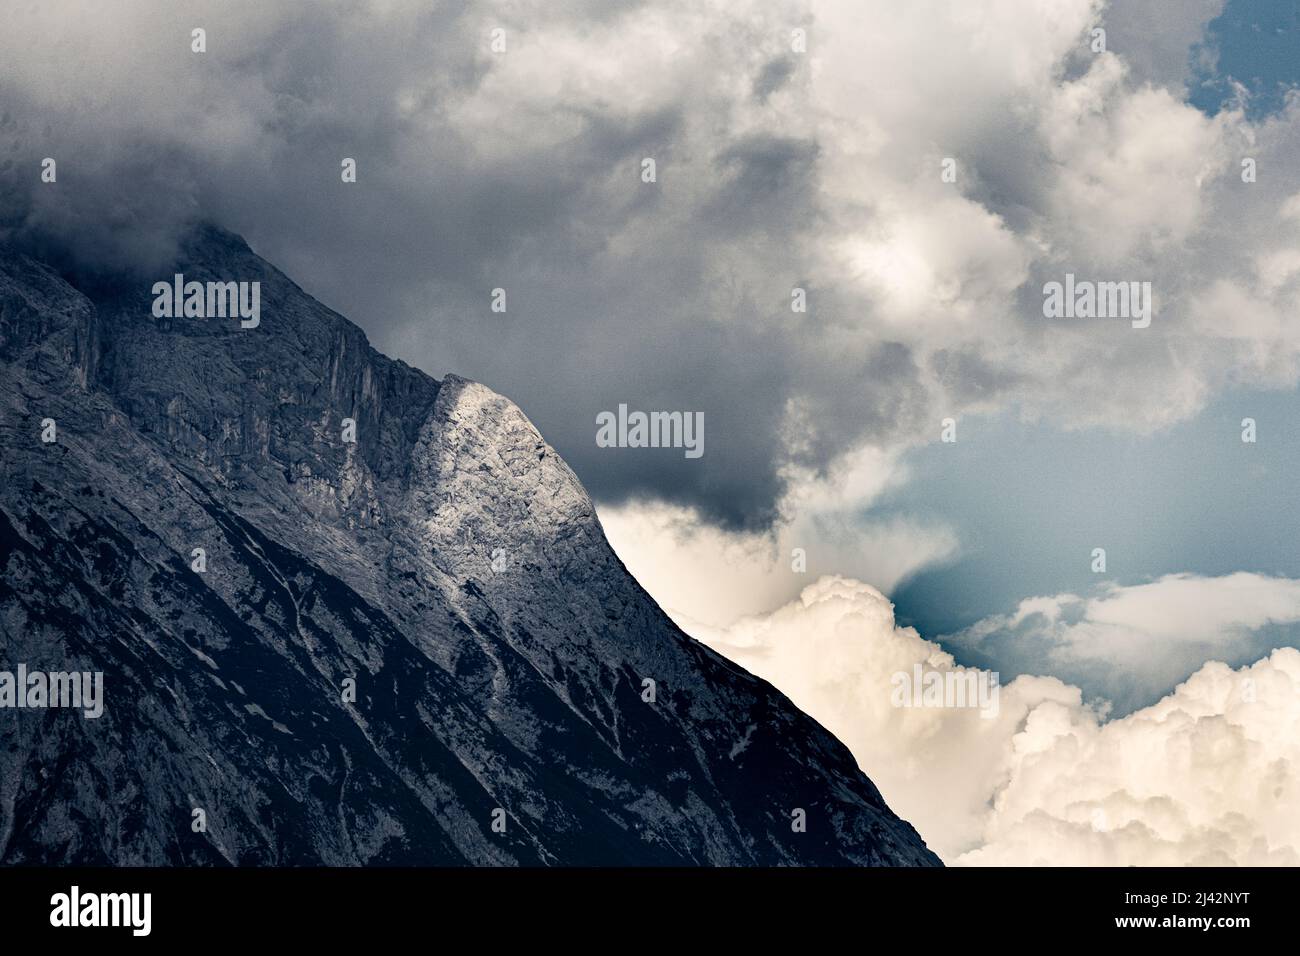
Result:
<point x="447" y="562"/>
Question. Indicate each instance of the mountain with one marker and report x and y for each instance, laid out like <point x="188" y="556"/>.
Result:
<point x="446" y="564"/>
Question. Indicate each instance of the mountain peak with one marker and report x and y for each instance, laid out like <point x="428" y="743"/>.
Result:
<point x="353" y="614"/>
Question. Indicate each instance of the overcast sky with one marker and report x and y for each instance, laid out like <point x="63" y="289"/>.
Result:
<point x="778" y="166"/>
<point x="775" y="169"/>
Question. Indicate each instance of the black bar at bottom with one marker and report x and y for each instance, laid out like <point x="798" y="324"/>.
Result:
<point x="208" y="906"/>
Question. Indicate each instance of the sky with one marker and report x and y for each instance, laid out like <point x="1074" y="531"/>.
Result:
<point x="801" y="144"/>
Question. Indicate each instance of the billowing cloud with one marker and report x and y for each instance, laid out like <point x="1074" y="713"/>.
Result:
<point x="1208" y="775"/>
<point x="707" y="576"/>
<point x="777" y="168"/>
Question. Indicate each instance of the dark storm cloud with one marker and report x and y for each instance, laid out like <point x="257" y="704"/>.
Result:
<point x="520" y="171"/>
<point x="125" y="209"/>
<point x="774" y="75"/>
<point x="763" y="181"/>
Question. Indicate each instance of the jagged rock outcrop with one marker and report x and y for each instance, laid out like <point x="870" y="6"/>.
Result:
<point x="448" y="562"/>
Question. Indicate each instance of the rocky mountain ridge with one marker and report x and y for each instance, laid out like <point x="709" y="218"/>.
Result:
<point x="519" y="699"/>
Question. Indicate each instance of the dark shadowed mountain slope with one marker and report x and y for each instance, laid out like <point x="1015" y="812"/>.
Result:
<point x="517" y="686"/>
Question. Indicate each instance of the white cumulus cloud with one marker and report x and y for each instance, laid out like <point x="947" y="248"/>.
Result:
<point x="1208" y="775"/>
